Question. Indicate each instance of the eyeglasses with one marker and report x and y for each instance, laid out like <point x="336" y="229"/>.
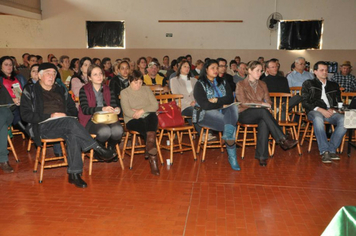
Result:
<point x="223" y="66"/>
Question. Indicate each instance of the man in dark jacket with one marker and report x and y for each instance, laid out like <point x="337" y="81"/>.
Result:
<point x="50" y="111"/>
<point x="320" y="96"/>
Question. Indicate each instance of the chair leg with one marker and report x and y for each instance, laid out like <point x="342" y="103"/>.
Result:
<point x="38" y="151"/>
<point x="244" y="143"/>
<point x="171" y="146"/>
<point x="311" y="138"/>
<point x="221" y="143"/>
<point x="205" y="144"/>
<point x="294" y="131"/>
<point x="125" y="144"/>
<point x="192" y="144"/>
<point x="305" y="133"/>
<point x="199" y="141"/>
<point x="133" y="140"/>
<point x="44" y="149"/>
<point x="29" y="144"/>
<point x="12" y="148"/>
<point x="159" y="151"/>
<point x="119" y="156"/>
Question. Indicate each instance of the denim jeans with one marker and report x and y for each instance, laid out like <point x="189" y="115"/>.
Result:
<point x="189" y="112"/>
<point x="320" y="134"/>
<point x="76" y="137"/>
<point x="216" y="120"/>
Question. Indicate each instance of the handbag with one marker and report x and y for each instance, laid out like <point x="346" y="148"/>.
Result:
<point x="169" y="115"/>
<point x="102" y="117"/>
<point x="350" y="119"/>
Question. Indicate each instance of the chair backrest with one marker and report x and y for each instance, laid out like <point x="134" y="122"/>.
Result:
<point x="280" y="105"/>
<point x="165" y="98"/>
<point x="347" y="97"/>
<point x="297" y="91"/>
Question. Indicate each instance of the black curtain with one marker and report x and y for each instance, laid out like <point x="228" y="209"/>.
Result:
<point x="105" y="34"/>
<point x="300" y="34"/>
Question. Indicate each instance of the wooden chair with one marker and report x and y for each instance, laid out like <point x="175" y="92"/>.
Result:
<point x="91" y="156"/>
<point x="11" y="148"/>
<point x="279" y="100"/>
<point x="17" y="132"/>
<point x="179" y="131"/>
<point x="245" y="129"/>
<point x="208" y="144"/>
<point x="158" y="90"/>
<point x="347" y="97"/>
<point x="136" y="149"/>
<point x="43" y="159"/>
<point x="310" y="134"/>
<point x="298" y="110"/>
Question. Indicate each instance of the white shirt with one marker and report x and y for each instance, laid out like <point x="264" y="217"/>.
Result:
<point x="188" y="84"/>
<point x="323" y="96"/>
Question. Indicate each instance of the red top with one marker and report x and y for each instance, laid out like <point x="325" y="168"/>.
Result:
<point x="8" y="84"/>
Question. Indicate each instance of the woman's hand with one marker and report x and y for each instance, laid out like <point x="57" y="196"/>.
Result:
<point x="193" y="103"/>
<point x="138" y="113"/>
<point x="108" y="109"/>
<point x="117" y="110"/>
<point x="16" y="101"/>
<point x="213" y="100"/>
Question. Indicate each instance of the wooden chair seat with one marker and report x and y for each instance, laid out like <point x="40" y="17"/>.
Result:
<point x="45" y="159"/>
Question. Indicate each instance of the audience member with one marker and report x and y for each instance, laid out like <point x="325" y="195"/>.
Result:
<point x="39" y="59"/>
<point x="139" y="107"/>
<point x="320" y="96"/>
<point x="96" y="61"/>
<point x="173" y="69"/>
<point x="142" y="65"/>
<point x="107" y="67"/>
<point x="222" y="73"/>
<point x="233" y="68"/>
<point x="165" y="63"/>
<point x="241" y="72"/>
<point x="24" y="60"/>
<point x="33" y="74"/>
<point x="198" y="66"/>
<point x="46" y="100"/>
<point x="238" y="59"/>
<point x="299" y="75"/>
<point x="252" y="90"/>
<point x="94" y="97"/>
<point x="212" y="94"/>
<point x="65" y="73"/>
<point x="80" y="79"/>
<point x="152" y="77"/>
<point x="344" y="78"/>
<point x="74" y="65"/>
<point x="120" y="82"/>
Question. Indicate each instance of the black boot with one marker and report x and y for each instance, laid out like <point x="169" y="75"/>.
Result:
<point x="151" y="148"/>
<point x="103" y="153"/>
<point x="76" y="180"/>
<point x="112" y="147"/>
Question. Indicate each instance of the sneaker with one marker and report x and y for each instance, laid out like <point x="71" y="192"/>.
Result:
<point x="334" y="156"/>
<point x="325" y="158"/>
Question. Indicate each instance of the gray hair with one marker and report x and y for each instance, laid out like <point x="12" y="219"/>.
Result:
<point x="299" y="58"/>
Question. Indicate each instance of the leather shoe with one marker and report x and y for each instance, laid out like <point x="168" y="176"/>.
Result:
<point x="287" y="143"/>
<point x="105" y="154"/>
<point x="154" y="164"/>
<point x="5" y="166"/>
<point x="263" y="162"/>
<point x="77" y="180"/>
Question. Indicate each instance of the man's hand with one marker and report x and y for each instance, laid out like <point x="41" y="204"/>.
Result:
<point x="58" y="114"/>
<point x="138" y="113"/>
<point x="326" y="113"/>
<point x="16" y="101"/>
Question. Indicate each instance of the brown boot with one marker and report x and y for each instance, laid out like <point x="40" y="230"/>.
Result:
<point x="287" y="143"/>
<point x="154" y="165"/>
<point x="5" y="166"/>
<point x="151" y="148"/>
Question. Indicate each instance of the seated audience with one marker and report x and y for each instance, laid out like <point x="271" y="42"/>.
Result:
<point x="233" y="68"/>
<point x="54" y="61"/>
<point x="64" y="71"/>
<point x="222" y="73"/>
<point x="152" y="77"/>
<point x="198" y="66"/>
<point x="183" y="84"/>
<point x="74" y="65"/>
<point x="165" y="63"/>
<point x="139" y="107"/>
<point x="241" y="70"/>
<point x="142" y="65"/>
<point x="299" y="75"/>
<point x="107" y="67"/>
<point x="46" y="100"/>
<point x="33" y="74"/>
<point x="120" y="82"/>
<point x="212" y="94"/>
<point x="81" y="78"/>
<point x="344" y="78"/>
<point x="252" y="90"/>
<point x="173" y="69"/>
<point x="96" y="96"/>
<point x="320" y="96"/>
<point x="96" y="61"/>
<point x="39" y="59"/>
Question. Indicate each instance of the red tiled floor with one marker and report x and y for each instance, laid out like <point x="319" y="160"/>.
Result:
<point x="292" y="196"/>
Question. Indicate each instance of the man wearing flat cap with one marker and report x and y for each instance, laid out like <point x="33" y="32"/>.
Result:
<point x="344" y="77"/>
<point x="45" y="100"/>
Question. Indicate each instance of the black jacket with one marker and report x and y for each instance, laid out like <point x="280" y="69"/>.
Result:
<point x="32" y="107"/>
<point x="117" y="85"/>
<point x="311" y="93"/>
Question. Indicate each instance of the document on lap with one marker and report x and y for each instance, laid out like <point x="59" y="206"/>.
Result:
<point x="255" y="105"/>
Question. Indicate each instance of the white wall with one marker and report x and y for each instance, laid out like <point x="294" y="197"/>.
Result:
<point x="63" y="23"/>
<point x="62" y="28"/>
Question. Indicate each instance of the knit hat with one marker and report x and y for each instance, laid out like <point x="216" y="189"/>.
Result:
<point x="47" y="65"/>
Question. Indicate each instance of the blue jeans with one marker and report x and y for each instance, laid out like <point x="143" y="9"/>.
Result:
<point x="216" y="120"/>
<point x="320" y="134"/>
